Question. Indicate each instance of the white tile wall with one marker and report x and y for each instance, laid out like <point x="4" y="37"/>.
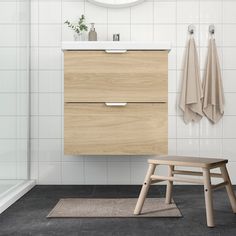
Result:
<point x="152" y="20"/>
<point x="14" y="27"/>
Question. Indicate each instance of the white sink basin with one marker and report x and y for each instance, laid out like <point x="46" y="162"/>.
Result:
<point x="117" y="45"/>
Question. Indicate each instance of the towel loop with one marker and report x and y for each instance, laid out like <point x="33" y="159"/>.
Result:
<point x="212" y="29"/>
<point x="191" y="29"/>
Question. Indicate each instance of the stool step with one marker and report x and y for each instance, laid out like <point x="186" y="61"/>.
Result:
<point x="195" y="173"/>
<point x="220" y="185"/>
<point x="190" y="180"/>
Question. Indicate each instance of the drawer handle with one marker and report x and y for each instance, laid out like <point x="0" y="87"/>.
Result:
<point x="115" y="51"/>
<point x="116" y="104"/>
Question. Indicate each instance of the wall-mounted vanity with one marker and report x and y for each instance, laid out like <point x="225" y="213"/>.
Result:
<point x="115" y="100"/>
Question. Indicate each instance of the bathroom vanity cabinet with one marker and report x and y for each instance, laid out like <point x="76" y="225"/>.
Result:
<point x="115" y="99"/>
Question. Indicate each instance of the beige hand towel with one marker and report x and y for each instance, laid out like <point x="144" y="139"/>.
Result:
<point x="213" y="101"/>
<point x="191" y="92"/>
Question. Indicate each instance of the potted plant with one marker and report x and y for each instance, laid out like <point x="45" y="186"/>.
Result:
<point x="79" y="28"/>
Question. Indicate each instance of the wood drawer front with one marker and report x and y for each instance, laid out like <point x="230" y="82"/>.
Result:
<point x="136" y="129"/>
<point x="133" y="76"/>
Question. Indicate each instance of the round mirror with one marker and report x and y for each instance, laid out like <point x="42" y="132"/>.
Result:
<point x="116" y="3"/>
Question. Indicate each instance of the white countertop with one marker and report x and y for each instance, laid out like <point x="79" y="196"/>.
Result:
<point x="117" y="45"/>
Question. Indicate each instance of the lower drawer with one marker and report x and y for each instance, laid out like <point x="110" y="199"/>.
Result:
<point x="100" y="129"/>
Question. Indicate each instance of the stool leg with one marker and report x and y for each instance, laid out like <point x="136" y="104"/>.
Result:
<point x="208" y="197"/>
<point x="169" y="186"/>
<point x="144" y="190"/>
<point x="229" y="187"/>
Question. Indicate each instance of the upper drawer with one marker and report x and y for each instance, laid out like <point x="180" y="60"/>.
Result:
<point x="133" y="76"/>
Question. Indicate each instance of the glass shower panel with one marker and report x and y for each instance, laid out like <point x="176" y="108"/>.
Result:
<point x="14" y="92"/>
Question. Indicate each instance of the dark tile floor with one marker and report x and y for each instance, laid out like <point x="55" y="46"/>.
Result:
<point x="28" y="215"/>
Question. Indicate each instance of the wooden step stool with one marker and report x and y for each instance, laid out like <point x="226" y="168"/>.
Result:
<point x="206" y="164"/>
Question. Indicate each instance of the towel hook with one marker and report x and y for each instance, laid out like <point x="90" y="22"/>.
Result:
<point x="191" y="29"/>
<point x="212" y="29"/>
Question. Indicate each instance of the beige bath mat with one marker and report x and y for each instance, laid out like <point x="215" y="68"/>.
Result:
<point x="112" y="207"/>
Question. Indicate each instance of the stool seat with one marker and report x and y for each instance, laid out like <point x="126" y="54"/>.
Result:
<point x="205" y="164"/>
<point x="187" y="161"/>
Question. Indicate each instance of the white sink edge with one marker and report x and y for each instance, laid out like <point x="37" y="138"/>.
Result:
<point x="115" y="45"/>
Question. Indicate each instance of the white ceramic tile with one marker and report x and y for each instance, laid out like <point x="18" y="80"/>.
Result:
<point x="179" y="80"/>
<point x="8" y="12"/>
<point x="114" y="175"/>
<point x="187" y="11"/>
<point x="165" y="33"/>
<point x="172" y="146"/>
<point x="7" y="150"/>
<point x="209" y="130"/>
<point x="119" y="16"/>
<point x="34" y="10"/>
<point x="49" y="11"/>
<point x="142" y="13"/>
<point x="22" y="58"/>
<point x="229" y="35"/>
<point x="23" y="12"/>
<point x="123" y="30"/>
<point x="34" y="35"/>
<point x="50" y="81"/>
<point x="34" y="58"/>
<point x="229" y="15"/>
<point x="50" y="104"/>
<point x="34" y="122"/>
<point x="229" y="150"/>
<point x="230" y="104"/>
<point x="190" y="130"/>
<point x="34" y="148"/>
<point x="22" y="127"/>
<point x="210" y="11"/>
<point x="50" y="58"/>
<point x="172" y="62"/>
<point x="50" y="150"/>
<point x="21" y="170"/>
<point x="137" y="35"/>
<point x="22" y="104"/>
<point x="188" y="147"/>
<point x="172" y="81"/>
<point x="72" y="173"/>
<point x="34" y="171"/>
<point x="8" y="38"/>
<point x="229" y="127"/>
<point x="7" y="127"/>
<point x="8" y="170"/>
<point x="211" y="148"/>
<point x="95" y="14"/>
<point x="8" y="104"/>
<point x="23" y="81"/>
<point x="50" y="35"/>
<point x="49" y="127"/>
<point x="172" y="104"/>
<point x="34" y="103"/>
<point x="22" y="150"/>
<point x="34" y="81"/>
<point x="229" y="81"/>
<point x="138" y="172"/>
<point x="95" y="172"/>
<point x="172" y="126"/>
<point x="49" y="172"/>
<point x="8" y="58"/>
<point x="8" y="81"/>
<point x="165" y="11"/>
<point x="228" y="54"/>
<point x="72" y="10"/>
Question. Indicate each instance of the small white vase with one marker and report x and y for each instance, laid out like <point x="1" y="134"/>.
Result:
<point x="80" y="37"/>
